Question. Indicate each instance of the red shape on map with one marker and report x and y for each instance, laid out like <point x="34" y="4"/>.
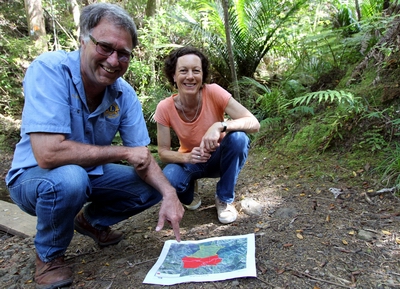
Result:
<point x="196" y="262"/>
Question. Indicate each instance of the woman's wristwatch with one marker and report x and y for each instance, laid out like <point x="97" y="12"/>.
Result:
<point x="224" y="126"/>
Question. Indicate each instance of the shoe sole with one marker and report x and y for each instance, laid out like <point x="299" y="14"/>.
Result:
<point x="56" y="285"/>
<point x="195" y="207"/>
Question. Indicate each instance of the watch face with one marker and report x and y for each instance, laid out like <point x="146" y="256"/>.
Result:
<point x="224" y="126"/>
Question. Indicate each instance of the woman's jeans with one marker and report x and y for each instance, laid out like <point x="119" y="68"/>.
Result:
<point x="55" y="196"/>
<point x="225" y="163"/>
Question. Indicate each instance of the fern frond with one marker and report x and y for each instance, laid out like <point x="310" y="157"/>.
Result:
<point x="302" y="109"/>
<point x="324" y="96"/>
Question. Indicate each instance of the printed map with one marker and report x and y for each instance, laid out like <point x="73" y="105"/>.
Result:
<point x="207" y="260"/>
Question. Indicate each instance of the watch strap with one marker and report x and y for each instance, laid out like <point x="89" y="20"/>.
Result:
<point x="224" y="126"/>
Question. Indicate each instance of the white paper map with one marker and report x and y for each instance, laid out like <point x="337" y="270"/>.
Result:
<point x="212" y="259"/>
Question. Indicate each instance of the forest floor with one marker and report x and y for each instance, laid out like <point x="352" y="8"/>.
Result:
<point x="328" y="231"/>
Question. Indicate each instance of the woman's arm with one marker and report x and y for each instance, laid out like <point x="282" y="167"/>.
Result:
<point x="241" y="120"/>
<point x="169" y="156"/>
<point x="164" y="147"/>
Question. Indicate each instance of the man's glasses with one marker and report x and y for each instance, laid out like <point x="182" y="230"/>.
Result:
<point x="107" y="50"/>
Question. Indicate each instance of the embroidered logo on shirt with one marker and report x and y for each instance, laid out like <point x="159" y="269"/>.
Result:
<point x="112" y="111"/>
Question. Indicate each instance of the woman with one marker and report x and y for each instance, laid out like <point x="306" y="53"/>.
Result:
<point x="209" y="146"/>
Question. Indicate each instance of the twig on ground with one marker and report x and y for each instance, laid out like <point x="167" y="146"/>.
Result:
<point x="383" y="191"/>
<point x="265" y="282"/>
<point x="138" y="263"/>
<point x="206" y="208"/>
<point x="318" y="279"/>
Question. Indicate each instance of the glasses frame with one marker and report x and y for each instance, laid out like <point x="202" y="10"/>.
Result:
<point x="101" y="51"/>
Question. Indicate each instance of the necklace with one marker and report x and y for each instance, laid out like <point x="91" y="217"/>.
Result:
<point x="197" y="109"/>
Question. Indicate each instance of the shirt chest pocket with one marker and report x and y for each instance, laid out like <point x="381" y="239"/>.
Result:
<point x="104" y="129"/>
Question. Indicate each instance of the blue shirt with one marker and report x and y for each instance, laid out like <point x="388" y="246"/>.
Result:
<point x="55" y="102"/>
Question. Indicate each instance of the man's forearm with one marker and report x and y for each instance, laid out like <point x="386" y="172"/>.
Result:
<point x="154" y="176"/>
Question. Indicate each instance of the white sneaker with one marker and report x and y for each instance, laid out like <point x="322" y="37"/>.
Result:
<point x="195" y="204"/>
<point x="226" y="212"/>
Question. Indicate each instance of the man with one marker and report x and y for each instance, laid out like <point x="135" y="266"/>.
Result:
<point x="75" y="103"/>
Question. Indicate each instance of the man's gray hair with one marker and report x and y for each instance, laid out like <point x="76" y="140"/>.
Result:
<point x="93" y="13"/>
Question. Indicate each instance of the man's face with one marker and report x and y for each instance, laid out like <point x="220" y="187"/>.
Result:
<point x="99" y="70"/>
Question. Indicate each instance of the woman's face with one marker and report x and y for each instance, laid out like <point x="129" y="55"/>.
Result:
<point x="188" y="74"/>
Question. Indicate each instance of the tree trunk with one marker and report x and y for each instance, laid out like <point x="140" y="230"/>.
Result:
<point x="151" y="7"/>
<point x="74" y="9"/>
<point x="225" y="4"/>
<point x="35" y="19"/>
<point x="358" y="10"/>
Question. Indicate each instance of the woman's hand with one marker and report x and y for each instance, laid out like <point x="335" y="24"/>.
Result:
<point x="209" y="142"/>
<point x="196" y="156"/>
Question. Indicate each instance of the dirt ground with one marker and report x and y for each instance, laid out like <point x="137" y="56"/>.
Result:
<point x="312" y="233"/>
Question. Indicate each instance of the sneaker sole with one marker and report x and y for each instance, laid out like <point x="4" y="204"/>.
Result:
<point x="195" y="207"/>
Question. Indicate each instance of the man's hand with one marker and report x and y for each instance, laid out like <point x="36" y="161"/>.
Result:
<point x="140" y="157"/>
<point x="171" y="211"/>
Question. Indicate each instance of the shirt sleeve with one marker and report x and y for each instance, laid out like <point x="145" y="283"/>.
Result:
<point x="46" y="106"/>
<point x="133" y="129"/>
<point x="161" y="115"/>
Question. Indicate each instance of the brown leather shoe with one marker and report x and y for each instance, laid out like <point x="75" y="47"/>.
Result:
<point x="102" y="237"/>
<point x="54" y="274"/>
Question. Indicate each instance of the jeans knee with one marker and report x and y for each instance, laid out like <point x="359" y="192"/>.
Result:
<point x="74" y="184"/>
<point x="238" y="141"/>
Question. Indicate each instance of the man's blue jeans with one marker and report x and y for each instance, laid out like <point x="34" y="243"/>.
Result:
<point x="55" y="196"/>
<point x="226" y="163"/>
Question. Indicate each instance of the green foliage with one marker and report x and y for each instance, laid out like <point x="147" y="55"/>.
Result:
<point x="288" y="46"/>
<point x="255" y="27"/>
<point x="60" y="26"/>
<point x="145" y="71"/>
<point x="340" y="97"/>
<point x="373" y="140"/>
<point x="14" y="58"/>
<point x="309" y="139"/>
<point x="389" y="168"/>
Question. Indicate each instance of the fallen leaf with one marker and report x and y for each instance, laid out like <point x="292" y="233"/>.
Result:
<point x="302" y="195"/>
<point x="262" y="269"/>
<point x="328" y="218"/>
<point x="256" y="230"/>
<point x="280" y="271"/>
<point x="352" y="233"/>
<point x="386" y="232"/>
<point x="287" y="245"/>
<point x="300" y="236"/>
<point x="398" y="241"/>
<point x="345" y="242"/>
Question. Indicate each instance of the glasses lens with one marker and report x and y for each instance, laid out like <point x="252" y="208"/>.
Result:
<point x="104" y="49"/>
<point x="124" y="57"/>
